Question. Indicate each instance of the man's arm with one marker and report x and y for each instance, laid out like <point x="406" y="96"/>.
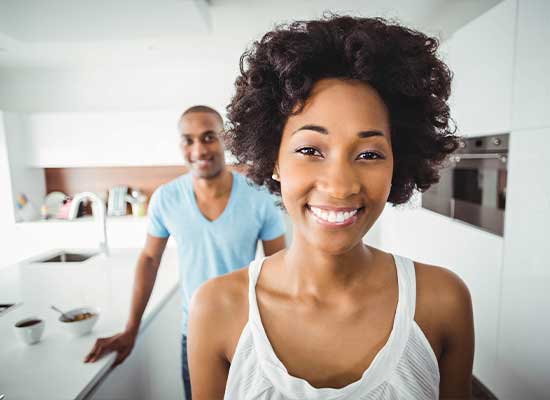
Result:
<point x="146" y="273"/>
<point x="273" y="246"/>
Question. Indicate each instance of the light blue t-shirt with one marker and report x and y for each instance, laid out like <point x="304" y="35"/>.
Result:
<point x="206" y="248"/>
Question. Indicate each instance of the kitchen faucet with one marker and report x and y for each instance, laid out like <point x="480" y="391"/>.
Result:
<point x="98" y="211"/>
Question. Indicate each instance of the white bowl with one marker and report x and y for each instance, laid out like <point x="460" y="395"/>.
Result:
<point x="83" y="327"/>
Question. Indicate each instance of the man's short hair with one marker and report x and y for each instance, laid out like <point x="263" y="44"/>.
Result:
<point x="204" y="109"/>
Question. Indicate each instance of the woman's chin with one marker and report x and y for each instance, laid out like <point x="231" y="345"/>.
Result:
<point x="334" y="247"/>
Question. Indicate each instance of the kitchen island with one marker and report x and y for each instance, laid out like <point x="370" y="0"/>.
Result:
<point x="54" y="367"/>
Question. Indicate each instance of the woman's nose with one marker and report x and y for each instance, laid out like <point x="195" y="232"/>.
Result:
<point x="339" y="180"/>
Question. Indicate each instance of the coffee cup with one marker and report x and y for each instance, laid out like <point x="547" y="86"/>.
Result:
<point x="30" y="330"/>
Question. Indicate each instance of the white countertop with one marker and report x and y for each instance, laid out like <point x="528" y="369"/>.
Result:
<point x="54" y="367"/>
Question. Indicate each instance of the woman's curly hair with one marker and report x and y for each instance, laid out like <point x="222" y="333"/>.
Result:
<point x="279" y="71"/>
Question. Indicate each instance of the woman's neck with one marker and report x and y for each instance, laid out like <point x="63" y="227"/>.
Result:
<point x="312" y="271"/>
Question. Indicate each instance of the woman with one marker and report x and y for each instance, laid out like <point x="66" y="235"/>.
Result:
<point x="338" y="116"/>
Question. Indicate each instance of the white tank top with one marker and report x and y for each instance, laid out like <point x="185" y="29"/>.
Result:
<point x="405" y="368"/>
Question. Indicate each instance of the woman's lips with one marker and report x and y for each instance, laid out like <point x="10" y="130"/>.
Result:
<point x="334" y="217"/>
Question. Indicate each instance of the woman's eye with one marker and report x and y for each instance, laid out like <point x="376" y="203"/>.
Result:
<point x="308" y="151"/>
<point x="369" y="155"/>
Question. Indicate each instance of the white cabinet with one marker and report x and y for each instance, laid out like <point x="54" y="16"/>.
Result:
<point x="532" y="72"/>
<point x="523" y="352"/>
<point x="80" y="139"/>
<point x="481" y="57"/>
<point x="153" y="370"/>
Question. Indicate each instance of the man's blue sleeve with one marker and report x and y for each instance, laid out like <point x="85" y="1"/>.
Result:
<point x="155" y="225"/>
<point x="272" y="225"/>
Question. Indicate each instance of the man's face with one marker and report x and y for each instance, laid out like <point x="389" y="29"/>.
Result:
<point x="200" y="144"/>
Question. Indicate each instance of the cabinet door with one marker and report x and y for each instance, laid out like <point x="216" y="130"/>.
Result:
<point x="153" y="369"/>
<point x="523" y="362"/>
<point x="481" y="56"/>
<point x="531" y="77"/>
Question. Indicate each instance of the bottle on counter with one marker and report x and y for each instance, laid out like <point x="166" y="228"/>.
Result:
<point x="25" y="210"/>
<point x="138" y="201"/>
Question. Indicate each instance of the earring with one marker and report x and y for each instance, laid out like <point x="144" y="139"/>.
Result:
<point x="275" y="177"/>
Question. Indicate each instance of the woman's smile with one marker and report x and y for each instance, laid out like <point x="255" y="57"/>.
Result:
<point x="334" y="217"/>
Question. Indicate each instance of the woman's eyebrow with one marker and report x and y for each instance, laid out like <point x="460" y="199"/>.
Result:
<point x="315" y="128"/>
<point x="367" y="134"/>
<point x="324" y="131"/>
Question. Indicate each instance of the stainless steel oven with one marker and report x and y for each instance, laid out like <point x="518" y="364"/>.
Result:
<point x="472" y="187"/>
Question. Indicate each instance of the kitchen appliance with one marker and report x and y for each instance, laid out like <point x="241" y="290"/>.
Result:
<point x="138" y="201"/>
<point x="472" y="187"/>
<point x="53" y="203"/>
<point x="116" y="205"/>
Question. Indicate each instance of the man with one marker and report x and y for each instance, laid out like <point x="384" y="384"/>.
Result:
<point x="216" y="218"/>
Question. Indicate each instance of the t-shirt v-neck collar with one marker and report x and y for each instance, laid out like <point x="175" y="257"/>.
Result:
<point x="225" y="211"/>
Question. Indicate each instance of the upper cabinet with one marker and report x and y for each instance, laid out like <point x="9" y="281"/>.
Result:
<point x="101" y="139"/>
<point x="532" y="71"/>
<point x="481" y="57"/>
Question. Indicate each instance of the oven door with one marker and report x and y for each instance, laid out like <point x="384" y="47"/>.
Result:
<point x="472" y="189"/>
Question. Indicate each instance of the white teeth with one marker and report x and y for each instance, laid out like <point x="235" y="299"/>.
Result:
<point x="333" y="216"/>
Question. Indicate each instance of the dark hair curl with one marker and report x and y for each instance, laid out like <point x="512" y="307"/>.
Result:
<point x="279" y="71"/>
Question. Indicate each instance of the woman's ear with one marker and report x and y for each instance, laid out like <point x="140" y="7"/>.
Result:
<point x="275" y="175"/>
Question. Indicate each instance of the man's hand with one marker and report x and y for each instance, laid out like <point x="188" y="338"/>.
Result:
<point x="123" y="343"/>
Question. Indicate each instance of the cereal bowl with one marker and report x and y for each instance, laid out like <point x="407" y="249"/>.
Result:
<point x="82" y="320"/>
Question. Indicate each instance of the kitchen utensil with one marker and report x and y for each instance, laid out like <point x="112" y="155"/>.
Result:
<point x="138" y="202"/>
<point x="67" y="318"/>
<point x="116" y="205"/>
<point x="53" y="202"/>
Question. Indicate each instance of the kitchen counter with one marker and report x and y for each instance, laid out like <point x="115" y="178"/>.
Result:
<point x="54" y="367"/>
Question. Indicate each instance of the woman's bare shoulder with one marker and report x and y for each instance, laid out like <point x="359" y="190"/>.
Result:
<point x="218" y="313"/>
<point x="443" y="296"/>
<point x="223" y="294"/>
<point x="440" y="282"/>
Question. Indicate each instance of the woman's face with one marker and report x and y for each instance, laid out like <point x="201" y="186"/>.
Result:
<point x="335" y="164"/>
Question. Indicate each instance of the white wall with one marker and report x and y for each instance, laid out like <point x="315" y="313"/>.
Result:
<point x="7" y="218"/>
<point x="24" y="178"/>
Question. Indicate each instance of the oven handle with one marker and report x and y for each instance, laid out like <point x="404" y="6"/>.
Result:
<point x="473" y="156"/>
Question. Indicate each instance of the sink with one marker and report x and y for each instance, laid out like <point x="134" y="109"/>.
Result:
<point x="67" y="257"/>
<point x="6" y="307"/>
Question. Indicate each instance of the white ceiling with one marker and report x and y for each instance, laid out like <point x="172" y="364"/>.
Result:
<point x="69" y="33"/>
